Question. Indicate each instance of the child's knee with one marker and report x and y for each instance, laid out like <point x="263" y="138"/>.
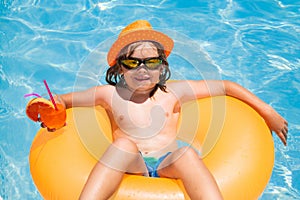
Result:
<point x="188" y="153"/>
<point x="120" y="154"/>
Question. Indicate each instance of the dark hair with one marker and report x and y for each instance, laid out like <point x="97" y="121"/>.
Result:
<point x="113" y="74"/>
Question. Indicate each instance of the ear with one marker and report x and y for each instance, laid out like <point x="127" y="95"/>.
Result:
<point x="162" y="69"/>
<point x="120" y="71"/>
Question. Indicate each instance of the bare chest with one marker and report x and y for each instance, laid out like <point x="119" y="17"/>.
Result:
<point x="146" y="119"/>
<point x="139" y="120"/>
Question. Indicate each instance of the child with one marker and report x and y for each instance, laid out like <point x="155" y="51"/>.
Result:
<point x="144" y="109"/>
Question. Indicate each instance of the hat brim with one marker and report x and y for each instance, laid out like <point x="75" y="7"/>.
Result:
<point x="135" y="36"/>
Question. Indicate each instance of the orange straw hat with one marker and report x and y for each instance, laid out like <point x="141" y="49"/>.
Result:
<point x="138" y="31"/>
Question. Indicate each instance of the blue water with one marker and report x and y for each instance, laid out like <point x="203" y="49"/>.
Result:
<point x="255" y="43"/>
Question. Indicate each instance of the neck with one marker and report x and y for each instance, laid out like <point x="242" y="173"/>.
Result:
<point x="134" y="95"/>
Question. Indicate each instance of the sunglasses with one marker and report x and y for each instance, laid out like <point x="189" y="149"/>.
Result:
<point x="134" y="63"/>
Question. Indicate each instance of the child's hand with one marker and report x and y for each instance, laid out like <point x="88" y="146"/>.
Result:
<point x="42" y="110"/>
<point x="277" y="124"/>
<point x="49" y="129"/>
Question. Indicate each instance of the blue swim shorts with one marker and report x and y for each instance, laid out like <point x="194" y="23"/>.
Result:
<point x="152" y="163"/>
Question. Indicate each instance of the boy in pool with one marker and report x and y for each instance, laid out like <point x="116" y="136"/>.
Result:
<point x="144" y="109"/>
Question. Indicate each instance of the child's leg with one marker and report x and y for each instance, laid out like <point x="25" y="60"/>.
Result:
<point x="186" y="165"/>
<point x="107" y="174"/>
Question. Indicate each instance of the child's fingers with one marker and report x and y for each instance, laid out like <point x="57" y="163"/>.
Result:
<point x="51" y="129"/>
<point x="43" y="125"/>
<point x="282" y="136"/>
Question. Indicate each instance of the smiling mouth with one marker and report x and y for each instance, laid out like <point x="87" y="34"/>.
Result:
<point x="142" y="78"/>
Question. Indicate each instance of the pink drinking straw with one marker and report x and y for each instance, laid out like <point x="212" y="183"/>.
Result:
<point x="32" y="94"/>
<point x="51" y="97"/>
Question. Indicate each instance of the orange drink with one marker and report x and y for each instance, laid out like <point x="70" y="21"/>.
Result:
<point x="54" y="119"/>
<point x="43" y="110"/>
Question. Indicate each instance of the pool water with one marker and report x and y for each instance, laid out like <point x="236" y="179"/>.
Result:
<point x="255" y="43"/>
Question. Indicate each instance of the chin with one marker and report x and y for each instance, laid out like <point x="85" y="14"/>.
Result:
<point x="145" y="86"/>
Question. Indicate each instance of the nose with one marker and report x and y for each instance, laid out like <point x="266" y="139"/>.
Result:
<point x="142" y="68"/>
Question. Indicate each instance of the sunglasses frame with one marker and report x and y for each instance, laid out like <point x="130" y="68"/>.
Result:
<point x="141" y="61"/>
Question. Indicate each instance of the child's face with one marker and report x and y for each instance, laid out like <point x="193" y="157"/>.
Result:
<point x="142" y="79"/>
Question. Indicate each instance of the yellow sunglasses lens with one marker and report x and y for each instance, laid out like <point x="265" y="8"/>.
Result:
<point x="130" y="63"/>
<point x="153" y="63"/>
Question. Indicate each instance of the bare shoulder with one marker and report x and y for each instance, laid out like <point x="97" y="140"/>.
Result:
<point x="103" y="93"/>
<point x="179" y="88"/>
<point x="187" y="90"/>
<point x="177" y="84"/>
<point x="183" y="87"/>
<point x="181" y="84"/>
<point x="105" y="88"/>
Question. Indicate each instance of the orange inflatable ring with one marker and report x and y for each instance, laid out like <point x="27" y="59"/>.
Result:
<point x="236" y="143"/>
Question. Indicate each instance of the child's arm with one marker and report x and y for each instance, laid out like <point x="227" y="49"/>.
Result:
<point x="80" y="98"/>
<point x="275" y="121"/>
<point x="189" y="90"/>
<point x="94" y="96"/>
<point x="90" y="97"/>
